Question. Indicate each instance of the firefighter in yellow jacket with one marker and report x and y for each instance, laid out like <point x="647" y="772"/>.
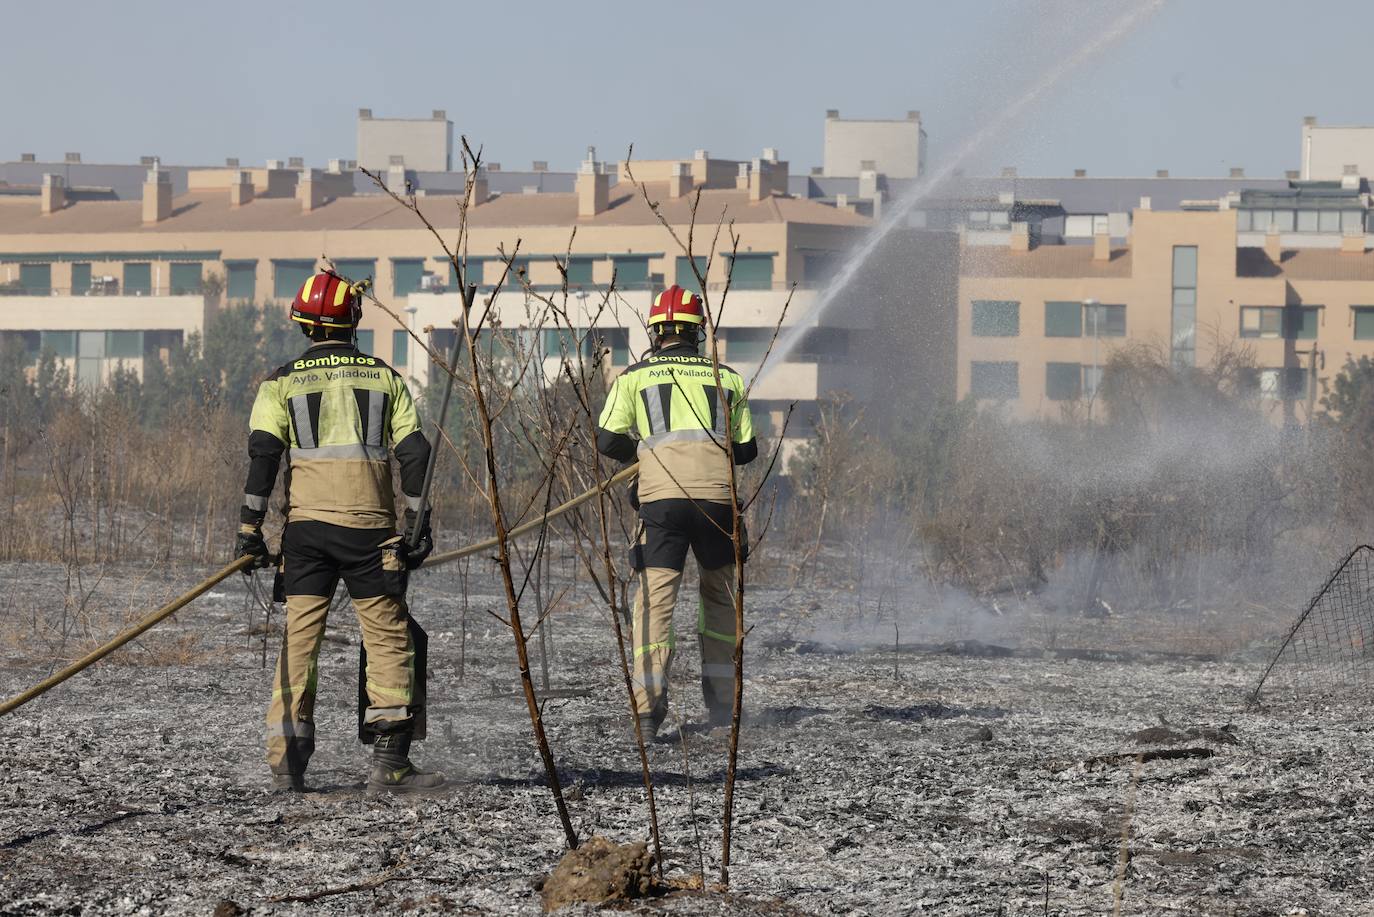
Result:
<point x="334" y="413"/>
<point x="668" y="411"/>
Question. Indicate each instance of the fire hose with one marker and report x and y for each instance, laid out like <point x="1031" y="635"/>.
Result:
<point x="243" y="564"/>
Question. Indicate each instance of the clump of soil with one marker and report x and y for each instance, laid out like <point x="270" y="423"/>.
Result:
<point x="598" y="871"/>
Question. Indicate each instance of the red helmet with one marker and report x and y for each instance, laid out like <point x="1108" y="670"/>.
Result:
<point x="677" y="305"/>
<point x="326" y="300"/>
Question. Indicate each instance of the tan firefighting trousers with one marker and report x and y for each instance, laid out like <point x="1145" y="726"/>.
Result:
<point x="654" y="638"/>
<point x="390" y="673"/>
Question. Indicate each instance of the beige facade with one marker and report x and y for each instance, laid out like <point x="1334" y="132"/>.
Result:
<point x="258" y="233"/>
<point x="1328" y="151"/>
<point x="1282" y="307"/>
<point x="887" y="147"/>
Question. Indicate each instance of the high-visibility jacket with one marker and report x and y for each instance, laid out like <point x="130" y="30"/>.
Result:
<point x="339" y="411"/>
<point x="668" y="411"/>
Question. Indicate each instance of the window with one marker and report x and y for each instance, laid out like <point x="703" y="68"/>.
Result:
<point x="289" y="277"/>
<point x="994" y="380"/>
<point x="996" y="318"/>
<point x="1244" y="220"/>
<point x="90" y="357"/>
<point x="474" y="272"/>
<point x="1352" y="221"/>
<point x="124" y="345"/>
<point x="138" y="279"/>
<point x="185" y="278"/>
<point x="365" y="339"/>
<point x="81" y="279"/>
<point x="630" y="270"/>
<point x="36" y="279"/>
<point x="989" y="219"/>
<point x="1329" y="221"/>
<point x="406" y="274"/>
<point x="1184" y="338"/>
<point x="1307" y="220"/>
<point x="242" y="279"/>
<point x="1084" y="225"/>
<point x="751" y="272"/>
<point x="61" y="343"/>
<point x="1063" y="381"/>
<point x="1092" y="378"/>
<point x="685" y="278"/>
<point x="746" y="345"/>
<point x="560" y="341"/>
<point x="1063" y="320"/>
<point x="1261" y="321"/>
<point x="818" y="269"/>
<point x="400" y="347"/>
<point x="1303" y="322"/>
<point x="617" y="340"/>
<point x="1282" y="383"/>
<point x="356" y="269"/>
<point x="1104" y="321"/>
<point x="580" y="271"/>
<point x="1364" y="323"/>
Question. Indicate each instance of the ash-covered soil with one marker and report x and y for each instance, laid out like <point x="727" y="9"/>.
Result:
<point x="871" y="781"/>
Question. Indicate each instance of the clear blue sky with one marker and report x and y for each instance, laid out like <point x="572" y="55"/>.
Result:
<point x="1202" y="86"/>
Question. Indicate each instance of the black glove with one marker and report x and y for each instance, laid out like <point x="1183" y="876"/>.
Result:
<point x="415" y="556"/>
<point x="250" y="543"/>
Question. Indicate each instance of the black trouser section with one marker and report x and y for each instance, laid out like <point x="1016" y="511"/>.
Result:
<point x="671" y="527"/>
<point x="315" y="555"/>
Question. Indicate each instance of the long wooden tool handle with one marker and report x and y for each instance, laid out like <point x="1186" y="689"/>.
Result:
<point x="243" y="563"/>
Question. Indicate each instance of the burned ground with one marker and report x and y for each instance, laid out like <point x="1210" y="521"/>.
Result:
<point x="948" y="777"/>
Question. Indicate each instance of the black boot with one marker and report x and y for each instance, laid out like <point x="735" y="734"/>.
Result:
<point x="392" y="770"/>
<point x="289" y="783"/>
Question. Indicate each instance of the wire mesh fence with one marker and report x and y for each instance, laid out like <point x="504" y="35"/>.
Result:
<point x="1330" y="647"/>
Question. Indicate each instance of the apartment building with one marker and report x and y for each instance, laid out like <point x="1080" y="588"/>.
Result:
<point x="109" y="280"/>
<point x="1287" y="276"/>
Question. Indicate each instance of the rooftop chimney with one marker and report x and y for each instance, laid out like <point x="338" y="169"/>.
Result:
<point x="540" y="165"/>
<point x="1145" y="202"/>
<point x="364" y="114"/>
<point x="679" y="180"/>
<point x="1020" y="236"/>
<point x="157" y="195"/>
<point x="817" y="170"/>
<point x="273" y="165"/>
<point x="73" y="157"/>
<point x="832" y="113"/>
<point x="1273" y="244"/>
<point x="913" y="115"/>
<point x="396" y="159"/>
<point x="1161" y="173"/>
<point x="742" y="177"/>
<point x="295" y="162"/>
<point x="770" y="153"/>
<point x="481" y="188"/>
<point x="1102" y="246"/>
<point x="759" y="183"/>
<point x="310" y="190"/>
<point x="241" y="189"/>
<point x="439" y="114"/>
<point x="1009" y="171"/>
<point x="336" y="166"/>
<point x="1292" y="174"/>
<point x="396" y="176"/>
<point x="1237" y="172"/>
<point x="146" y="160"/>
<point x="231" y="162"/>
<point x="1350" y="178"/>
<point x="493" y="167"/>
<point x="1080" y="173"/>
<point x="27" y="157"/>
<point x="593" y="187"/>
<point x="54" y="193"/>
<point x="701" y="155"/>
<point x="867" y="165"/>
<point x="868" y="184"/>
<point x="1309" y="121"/>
